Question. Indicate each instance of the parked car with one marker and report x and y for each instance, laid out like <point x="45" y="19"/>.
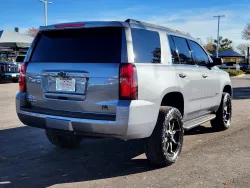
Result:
<point x="20" y="60"/>
<point x="235" y="66"/>
<point x="243" y="66"/>
<point x="8" y="70"/>
<point x="126" y="80"/>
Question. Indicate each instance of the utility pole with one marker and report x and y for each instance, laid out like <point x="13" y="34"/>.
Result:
<point x="46" y="2"/>
<point x="218" y="34"/>
<point x="248" y="53"/>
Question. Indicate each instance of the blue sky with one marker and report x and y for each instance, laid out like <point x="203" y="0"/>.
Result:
<point x="193" y="16"/>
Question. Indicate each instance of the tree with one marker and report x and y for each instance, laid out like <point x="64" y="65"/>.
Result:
<point x="242" y="48"/>
<point x="209" y="46"/>
<point x="32" y="32"/>
<point x="246" y="32"/>
<point x="224" y="44"/>
<point x="156" y="56"/>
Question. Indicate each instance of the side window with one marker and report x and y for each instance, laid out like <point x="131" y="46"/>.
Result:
<point x="147" y="47"/>
<point x="175" y="57"/>
<point x="183" y="50"/>
<point x="199" y="54"/>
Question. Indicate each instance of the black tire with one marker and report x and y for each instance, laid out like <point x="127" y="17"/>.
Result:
<point x="15" y="80"/>
<point x="223" y="114"/>
<point x="1" y="75"/>
<point x="63" y="141"/>
<point x="157" y="146"/>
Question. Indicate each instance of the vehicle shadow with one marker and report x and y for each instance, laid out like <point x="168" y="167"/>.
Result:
<point x="200" y="130"/>
<point x="6" y="82"/>
<point x="27" y="159"/>
<point x="241" y="93"/>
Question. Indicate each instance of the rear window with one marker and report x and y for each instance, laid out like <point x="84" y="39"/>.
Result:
<point x="20" y="58"/>
<point x="146" y="45"/>
<point x="89" y="45"/>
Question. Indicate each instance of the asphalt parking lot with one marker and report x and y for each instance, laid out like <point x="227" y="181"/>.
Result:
<point x="208" y="159"/>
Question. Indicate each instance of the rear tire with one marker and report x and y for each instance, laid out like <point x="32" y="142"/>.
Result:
<point x="164" y="146"/>
<point x="63" y="141"/>
<point x="1" y="75"/>
<point x="223" y="114"/>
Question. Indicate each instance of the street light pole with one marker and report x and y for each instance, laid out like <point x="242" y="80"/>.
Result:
<point x="45" y="11"/>
<point x="218" y="34"/>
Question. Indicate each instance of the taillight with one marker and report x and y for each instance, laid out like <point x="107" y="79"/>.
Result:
<point x="69" y="25"/>
<point x="22" y="84"/>
<point x="128" y="82"/>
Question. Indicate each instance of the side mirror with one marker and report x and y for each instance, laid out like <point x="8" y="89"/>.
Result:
<point x="216" y="61"/>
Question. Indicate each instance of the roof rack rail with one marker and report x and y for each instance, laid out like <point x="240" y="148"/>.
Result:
<point x="154" y="25"/>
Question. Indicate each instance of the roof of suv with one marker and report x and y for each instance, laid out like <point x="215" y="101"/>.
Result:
<point x="126" y="23"/>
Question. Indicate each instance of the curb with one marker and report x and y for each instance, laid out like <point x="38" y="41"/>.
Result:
<point x="239" y="76"/>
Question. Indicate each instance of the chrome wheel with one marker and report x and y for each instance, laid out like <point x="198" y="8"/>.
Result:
<point x="172" y="138"/>
<point x="164" y="145"/>
<point x="223" y="117"/>
<point x="227" y="111"/>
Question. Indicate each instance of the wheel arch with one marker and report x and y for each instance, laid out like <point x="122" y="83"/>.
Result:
<point x="174" y="99"/>
<point x="228" y="88"/>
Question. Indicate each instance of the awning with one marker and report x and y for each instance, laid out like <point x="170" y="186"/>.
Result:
<point x="230" y="53"/>
<point x="14" y="39"/>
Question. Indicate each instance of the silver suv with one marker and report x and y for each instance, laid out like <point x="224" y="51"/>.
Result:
<point x="125" y="80"/>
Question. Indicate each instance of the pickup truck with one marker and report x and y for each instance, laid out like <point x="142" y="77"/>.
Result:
<point x="8" y="70"/>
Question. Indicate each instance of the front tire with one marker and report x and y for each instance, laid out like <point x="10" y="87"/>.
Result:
<point x="223" y="114"/>
<point x="63" y="141"/>
<point x="15" y="80"/>
<point x="1" y="75"/>
<point x="164" y="146"/>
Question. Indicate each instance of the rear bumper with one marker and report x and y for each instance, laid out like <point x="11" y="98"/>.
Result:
<point x="134" y="119"/>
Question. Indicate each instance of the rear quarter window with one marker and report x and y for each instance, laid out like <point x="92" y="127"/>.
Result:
<point x="146" y="45"/>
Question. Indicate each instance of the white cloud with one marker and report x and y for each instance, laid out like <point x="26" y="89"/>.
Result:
<point x="199" y="22"/>
<point x="202" y="24"/>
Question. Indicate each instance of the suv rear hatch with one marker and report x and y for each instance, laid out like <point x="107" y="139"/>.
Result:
<point x="75" y="72"/>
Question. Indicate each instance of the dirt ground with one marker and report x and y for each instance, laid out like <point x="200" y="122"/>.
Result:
<point x="209" y="159"/>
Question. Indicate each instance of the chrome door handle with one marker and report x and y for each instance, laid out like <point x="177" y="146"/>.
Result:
<point x="204" y="75"/>
<point x="183" y="75"/>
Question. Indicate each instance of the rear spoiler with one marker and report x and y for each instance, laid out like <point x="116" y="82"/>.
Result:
<point x="75" y="25"/>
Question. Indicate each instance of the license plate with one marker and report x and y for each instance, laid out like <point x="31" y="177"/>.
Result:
<point x="66" y="84"/>
<point x="13" y="75"/>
